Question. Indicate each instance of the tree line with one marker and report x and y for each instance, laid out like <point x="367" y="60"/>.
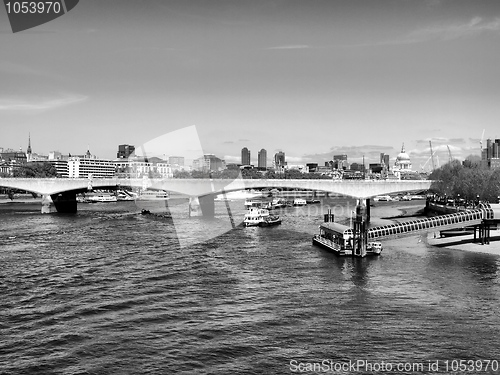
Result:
<point x="291" y="174"/>
<point x="468" y="180"/>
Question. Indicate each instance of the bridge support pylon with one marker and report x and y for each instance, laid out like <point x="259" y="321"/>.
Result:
<point x="360" y="231"/>
<point x="202" y="206"/>
<point x="64" y="202"/>
<point x="47" y="204"/>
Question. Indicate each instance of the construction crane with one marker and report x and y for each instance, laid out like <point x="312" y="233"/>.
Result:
<point x="432" y="155"/>
<point x="481" y="142"/>
<point x="449" y="152"/>
<point x="422" y="167"/>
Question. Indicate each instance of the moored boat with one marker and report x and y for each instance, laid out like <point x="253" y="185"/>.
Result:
<point x="280" y="203"/>
<point x="382" y="198"/>
<point x="312" y="201"/>
<point x="255" y="216"/>
<point x="257" y="203"/>
<point x="339" y="239"/>
<point x="270" y="220"/>
<point x="153" y="195"/>
<point x="100" y="198"/>
<point x="299" y="202"/>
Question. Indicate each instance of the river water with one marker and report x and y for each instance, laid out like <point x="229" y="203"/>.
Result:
<point x="110" y="291"/>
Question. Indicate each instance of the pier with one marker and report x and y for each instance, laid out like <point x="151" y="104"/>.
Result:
<point x="483" y="218"/>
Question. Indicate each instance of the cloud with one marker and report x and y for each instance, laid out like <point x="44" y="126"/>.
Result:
<point x="448" y="32"/>
<point x="440" y="140"/>
<point x="294" y="159"/>
<point x="38" y="104"/>
<point x="473" y="27"/>
<point x="228" y="142"/>
<point x="457" y="140"/>
<point x="232" y="159"/>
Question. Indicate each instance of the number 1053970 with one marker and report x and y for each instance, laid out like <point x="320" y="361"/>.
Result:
<point x="26" y="7"/>
<point x="472" y="365"/>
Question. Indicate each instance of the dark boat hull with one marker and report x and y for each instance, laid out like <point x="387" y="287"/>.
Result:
<point x="270" y="223"/>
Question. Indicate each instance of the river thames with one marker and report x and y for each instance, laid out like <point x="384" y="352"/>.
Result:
<point x="111" y="291"/>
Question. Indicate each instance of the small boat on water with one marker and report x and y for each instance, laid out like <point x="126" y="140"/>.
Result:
<point x="299" y="202"/>
<point x="270" y="220"/>
<point x="382" y="198"/>
<point x="312" y="201"/>
<point x="280" y="203"/>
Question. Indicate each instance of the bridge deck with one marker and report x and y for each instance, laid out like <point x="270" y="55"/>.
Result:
<point x="450" y="221"/>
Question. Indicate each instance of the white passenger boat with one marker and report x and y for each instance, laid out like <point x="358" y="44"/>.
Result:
<point x="299" y="202"/>
<point x="382" y="198"/>
<point x="260" y="217"/>
<point x="100" y="198"/>
<point x="153" y="195"/>
<point x="257" y="203"/>
<point x="254" y="216"/>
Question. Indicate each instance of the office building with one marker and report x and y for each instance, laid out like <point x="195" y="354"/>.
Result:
<point x="176" y="160"/>
<point x="490" y="156"/>
<point x="124" y="151"/>
<point x="340" y="162"/>
<point x="279" y="159"/>
<point x="209" y="163"/>
<point x="384" y="159"/>
<point x="245" y="156"/>
<point x="90" y="167"/>
<point x="262" y="159"/>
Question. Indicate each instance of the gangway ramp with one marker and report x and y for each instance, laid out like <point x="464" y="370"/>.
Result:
<point x="484" y="212"/>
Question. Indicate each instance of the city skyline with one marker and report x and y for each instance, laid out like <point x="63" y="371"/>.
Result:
<point x="366" y="157"/>
<point x="313" y="78"/>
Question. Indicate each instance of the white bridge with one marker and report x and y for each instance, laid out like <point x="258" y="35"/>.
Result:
<point x="63" y="190"/>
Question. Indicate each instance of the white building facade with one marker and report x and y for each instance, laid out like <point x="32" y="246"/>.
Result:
<point x="89" y="167"/>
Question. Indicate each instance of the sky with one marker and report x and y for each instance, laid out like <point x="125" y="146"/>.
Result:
<point x="312" y="78"/>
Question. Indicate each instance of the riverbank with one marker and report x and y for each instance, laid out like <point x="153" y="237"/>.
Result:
<point x="19" y="198"/>
<point x="465" y="243"/>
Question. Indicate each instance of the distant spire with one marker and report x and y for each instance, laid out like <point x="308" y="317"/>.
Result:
<point x="403" y="148"/>
<point x="28" y="151"/>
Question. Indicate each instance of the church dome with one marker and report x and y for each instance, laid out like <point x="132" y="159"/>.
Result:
<point x="403" y="160"/>
<point x="403" y="156"/>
